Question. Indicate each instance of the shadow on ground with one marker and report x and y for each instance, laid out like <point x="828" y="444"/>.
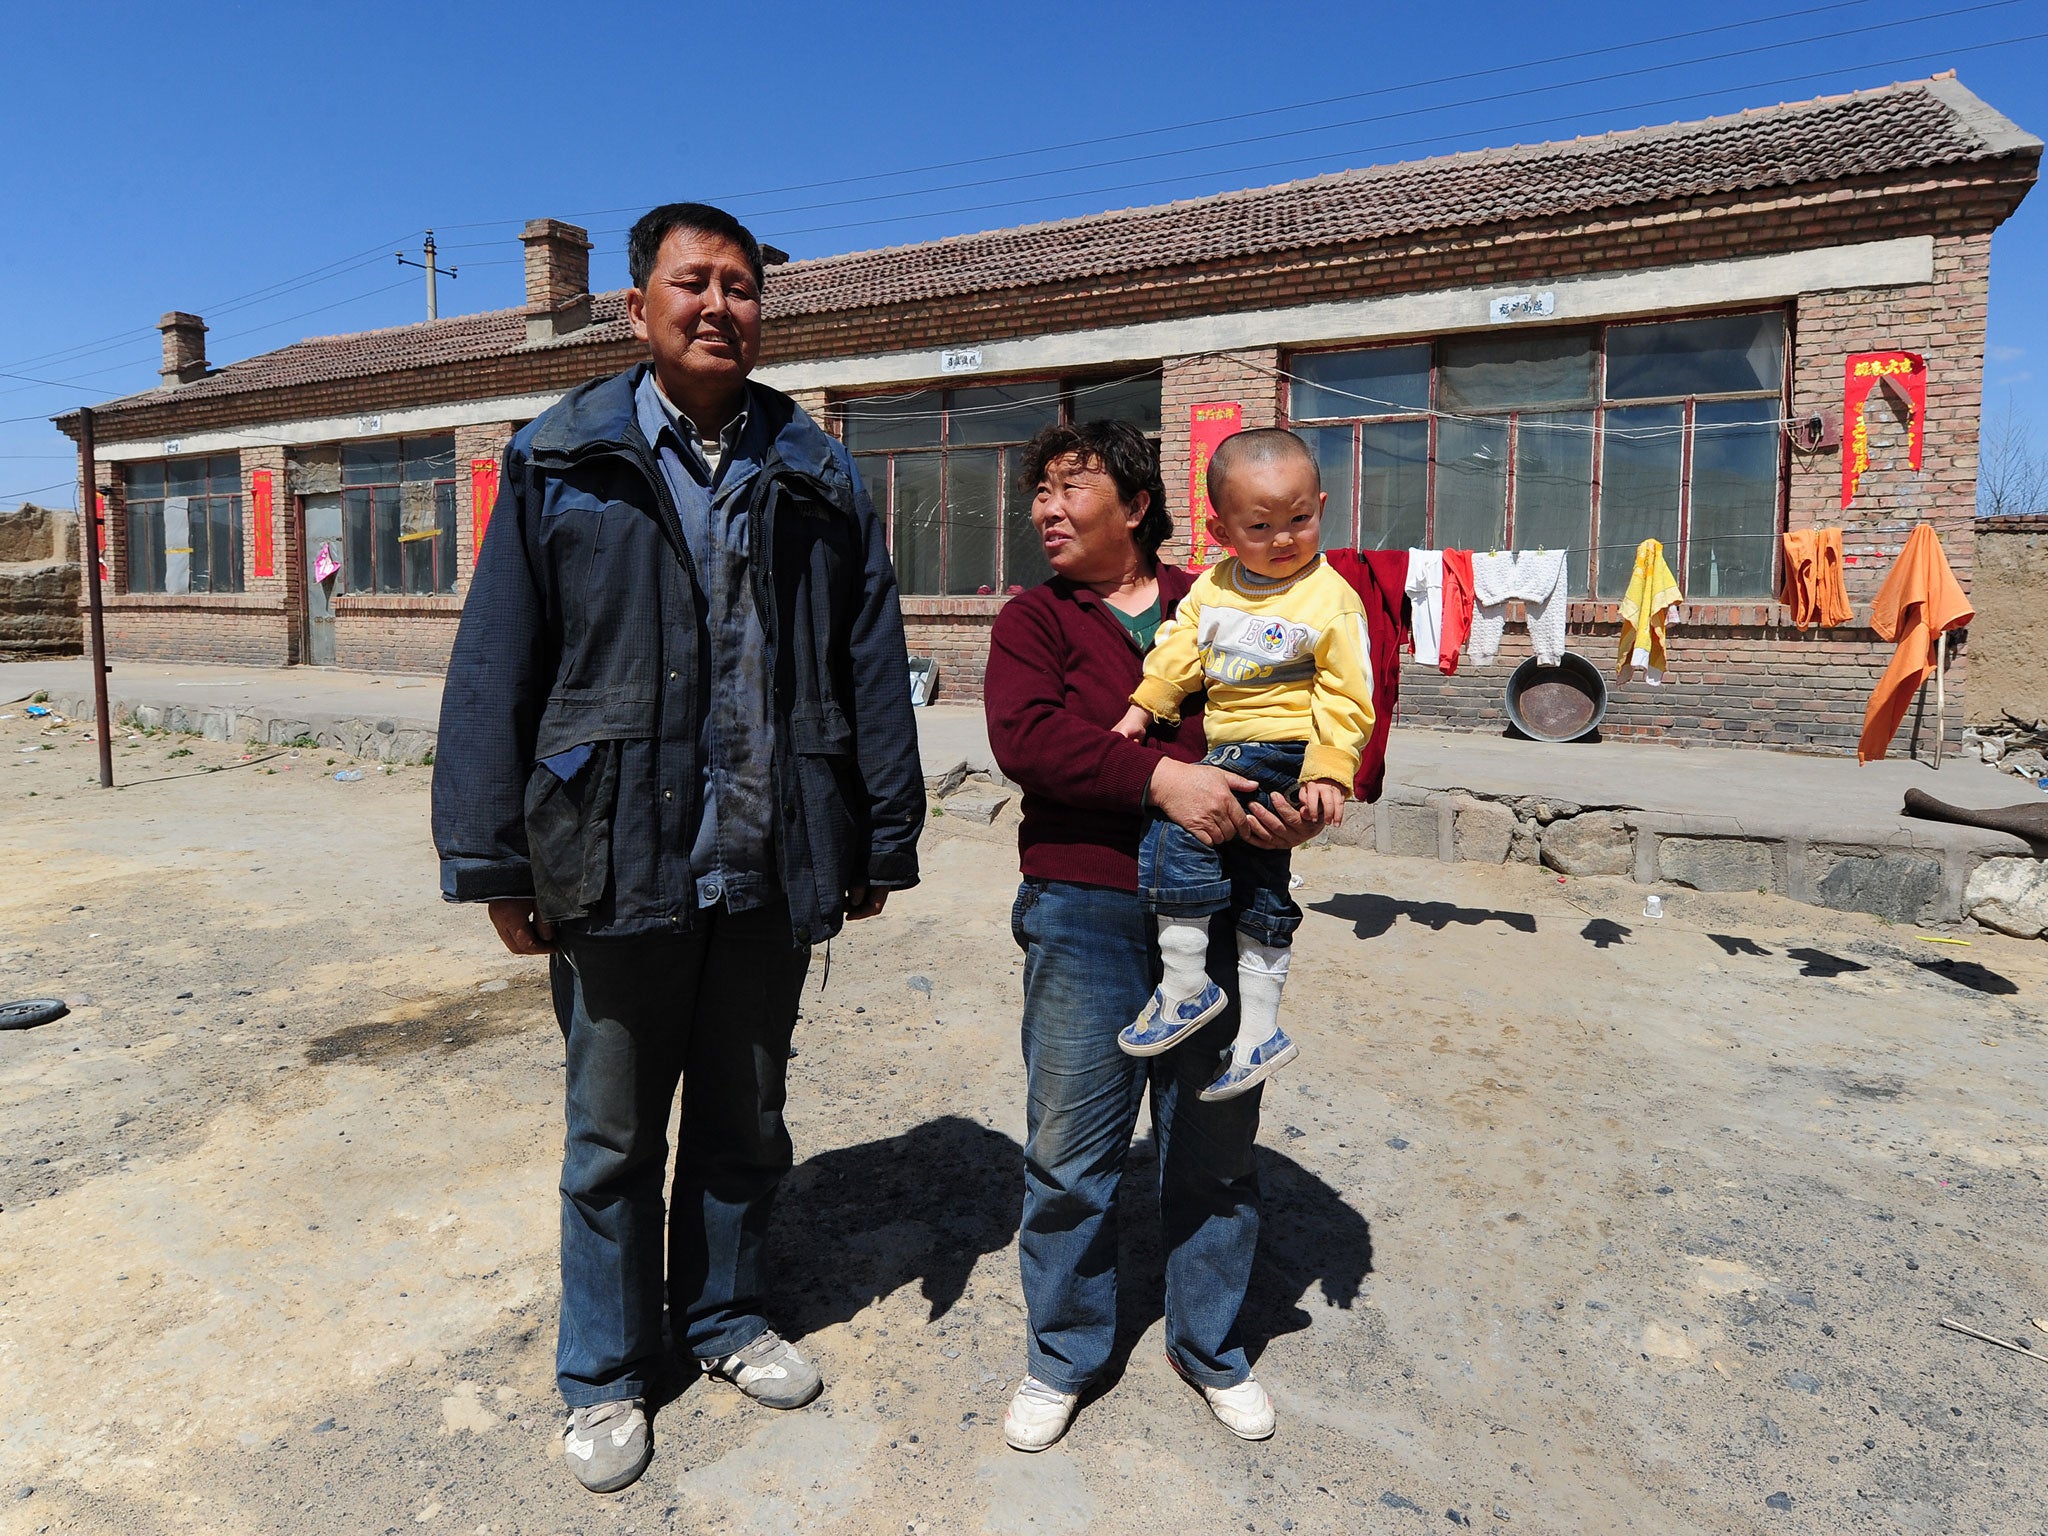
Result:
<point x="1372" y="915"/>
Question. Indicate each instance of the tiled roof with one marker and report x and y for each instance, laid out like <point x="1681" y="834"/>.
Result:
<point x="1915" y="126"/>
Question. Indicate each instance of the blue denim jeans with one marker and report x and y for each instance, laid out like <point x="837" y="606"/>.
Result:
<point x="1091" y="959"/>
<point x="715" y="1008"/>
<point x="1179" y="875"/>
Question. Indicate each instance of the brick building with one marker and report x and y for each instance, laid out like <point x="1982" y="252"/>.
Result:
<point x="1572" y="345"/>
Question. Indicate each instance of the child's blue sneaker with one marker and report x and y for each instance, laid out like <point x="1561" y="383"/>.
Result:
<point x="1267" y="1057"/>
<point x="1164" y="1025"/>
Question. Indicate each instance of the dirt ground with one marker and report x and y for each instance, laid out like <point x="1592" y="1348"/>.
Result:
<point x="1577" y="1221"/>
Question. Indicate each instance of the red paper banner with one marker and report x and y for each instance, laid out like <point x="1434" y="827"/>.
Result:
<point x="483" y="495"/>
<point x="261" y="505"/>
<point x="1904" y="372"/>
<point x="99" y="534"/>
<point x="1208" y="425"/>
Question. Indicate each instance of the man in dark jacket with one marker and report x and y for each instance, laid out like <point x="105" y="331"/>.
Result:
<point x="676" y="751"/>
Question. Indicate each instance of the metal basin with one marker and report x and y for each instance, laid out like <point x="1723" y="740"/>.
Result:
<point x="1560" y="703"/>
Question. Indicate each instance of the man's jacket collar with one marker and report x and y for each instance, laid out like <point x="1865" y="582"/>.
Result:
<point x="601" y="417"/>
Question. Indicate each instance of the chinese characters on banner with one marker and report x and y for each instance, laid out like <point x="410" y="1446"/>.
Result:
<point x="262" y="495"/>
<point x="99" y="535"/>
<point x="1903" y="372"/>
<point x="1208" y="426"/>
<point x="483" y="495"/>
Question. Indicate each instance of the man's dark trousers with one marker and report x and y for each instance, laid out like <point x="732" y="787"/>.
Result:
<point x="714" y="1007"/>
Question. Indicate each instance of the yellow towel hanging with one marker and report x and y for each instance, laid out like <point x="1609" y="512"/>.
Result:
<point x="1652" y="591"/>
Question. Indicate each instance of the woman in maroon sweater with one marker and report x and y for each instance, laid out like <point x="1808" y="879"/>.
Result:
<point x="1063" y="659"/>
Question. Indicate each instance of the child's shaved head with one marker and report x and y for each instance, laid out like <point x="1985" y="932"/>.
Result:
<point x="1260" y="445"/>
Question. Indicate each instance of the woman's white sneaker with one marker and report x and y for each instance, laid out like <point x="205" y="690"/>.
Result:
<point x="607" y="1445"/>
<point x="1038" y="1415"/>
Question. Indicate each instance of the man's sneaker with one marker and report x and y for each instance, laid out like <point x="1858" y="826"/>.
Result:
<point x="607" y="1444"/>
<point x="1244" y="1409"/>
<point x="1164" y="1025"/>
<point x="770" y="1371"/>
<point x="1266" y="1058"/>
<point x="1038" y="1415"/>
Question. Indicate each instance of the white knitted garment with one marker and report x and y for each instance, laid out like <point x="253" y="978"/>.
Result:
<point x="1536" y="577"/>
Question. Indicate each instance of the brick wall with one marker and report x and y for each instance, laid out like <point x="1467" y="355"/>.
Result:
<point x="1250" y="377"/>
<point x="385" y="633"/>
<point x="245" y="630"/>
<point x="473" y="443"/>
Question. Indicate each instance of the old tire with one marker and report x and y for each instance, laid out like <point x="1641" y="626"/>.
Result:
<point x="28" y="1012"/>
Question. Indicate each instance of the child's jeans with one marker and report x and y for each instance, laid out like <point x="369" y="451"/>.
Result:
<point x="1179" y="875"/>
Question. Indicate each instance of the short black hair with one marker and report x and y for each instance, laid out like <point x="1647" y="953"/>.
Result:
<point x="643" y="245"/>
<point x="1257" y="445"/>
<point x="1124" y="453"/>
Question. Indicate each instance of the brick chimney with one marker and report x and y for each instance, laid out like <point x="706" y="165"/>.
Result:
<point x="184" y="348"/>
<point x="557" y="279"/>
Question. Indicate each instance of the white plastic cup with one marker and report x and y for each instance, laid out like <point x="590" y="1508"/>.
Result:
<point x="1654" y="907"/>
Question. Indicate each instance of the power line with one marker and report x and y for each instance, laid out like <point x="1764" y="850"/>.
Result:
<point x="1419" y="111"/>
<point x="1268" y="165"/>
<point x="1210" y="122"/>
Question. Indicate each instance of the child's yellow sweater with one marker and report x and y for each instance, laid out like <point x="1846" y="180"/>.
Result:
<point x="1284" y="660"/>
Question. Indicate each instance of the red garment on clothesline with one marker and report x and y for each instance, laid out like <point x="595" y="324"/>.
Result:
<point x="1457" y="608"/>
<point x="1380" y="578"/>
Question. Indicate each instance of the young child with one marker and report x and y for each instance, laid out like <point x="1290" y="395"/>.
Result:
<point x="1279" y="639"/>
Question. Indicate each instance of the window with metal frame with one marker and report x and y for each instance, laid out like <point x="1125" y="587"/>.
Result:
<point x="398" y="515"/>
<point x="1587" y="440"/>
<point x="184" y="521"/>
<point x="941" y="466"/>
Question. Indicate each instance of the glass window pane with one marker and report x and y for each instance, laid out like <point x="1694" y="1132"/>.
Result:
<point x="1132" y="400"/>
<point x="1642" y="450"/>
<point x="1001" y="413"/>
<point x="1378" y="381"/>
<point x="388" y="515"/>
<point x="1393" y="491"/>
<point x="224" y="473"/>
<point x="429" y="458"/>
<point x="1734" y="499"/>
<point x="444" y="546"/>
<point x="918" y="510"/>
<point x="185" y="477"/>
<point x="1332" y="447"/>
<point x="973" y="521"/>
<point x="1471" y="483"/>
<point x="145" y="480"/>
<point x="1723" y="355"/>
<point x="1554" y="487"/>
<point x="1024" y="562"/>
<point x="357" y="537"/>
<point x="369" y="463"/>
<point x="892" y="421"/>
<point x="146" y="546"/>
<point x="197" y="574"/>
<point x="223" y="544"/>
<point x="1532" y="368"/>
<point x="873" y="469"/>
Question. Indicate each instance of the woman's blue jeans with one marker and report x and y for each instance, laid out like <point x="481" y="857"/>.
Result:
<point x="1091" y="959"/>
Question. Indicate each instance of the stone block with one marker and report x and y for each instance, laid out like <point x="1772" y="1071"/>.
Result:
<point x="2010" y="895"/>
<point x="1717" y="863"/>
<point x="940" y="785"/>
<point x="1484" y="830"/>
<point x="1901" y="886"/>
<point x="977" y="807"/>
<point x="1414" y="830"/>
<point x="1526" y="847"/>
<point x="1355" y="831"/>
<point x="1593" y="843"/>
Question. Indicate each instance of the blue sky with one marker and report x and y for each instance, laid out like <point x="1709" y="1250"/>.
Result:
<point x="261" y="164"/>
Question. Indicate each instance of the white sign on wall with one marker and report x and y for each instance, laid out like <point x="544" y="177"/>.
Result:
<point x="960" y="360"/>
<point x="1521" y="306"/>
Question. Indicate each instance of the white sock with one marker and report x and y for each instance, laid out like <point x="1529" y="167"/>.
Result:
<point x="1261" y="976"/>
<point x="1184" y="954"/>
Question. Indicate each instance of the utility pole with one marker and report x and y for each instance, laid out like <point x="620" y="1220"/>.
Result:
<point x="90" y="535"/>
<point x="432" y="271"/>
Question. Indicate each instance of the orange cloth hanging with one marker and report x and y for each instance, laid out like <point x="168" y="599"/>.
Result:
<point x="1919" y="601"/>
<point x="1812" y="583"/>
<point x="1457" y="628"/>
